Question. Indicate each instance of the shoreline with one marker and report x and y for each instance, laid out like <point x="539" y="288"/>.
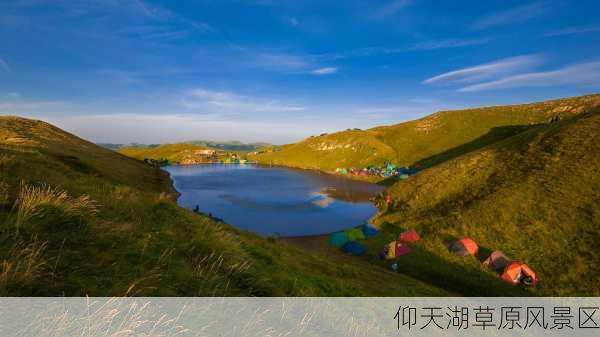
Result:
<point x="311" y="242"/>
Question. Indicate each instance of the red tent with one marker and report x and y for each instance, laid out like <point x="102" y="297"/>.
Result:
<point x="519" y="273"/>
<point x="464" y="247"/>
<point x="409" y="236"/>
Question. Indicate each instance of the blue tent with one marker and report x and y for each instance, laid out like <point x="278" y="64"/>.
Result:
<point x="369" y="230"/>
<point x="354" y="248"/>
<point x="338" y="239"/>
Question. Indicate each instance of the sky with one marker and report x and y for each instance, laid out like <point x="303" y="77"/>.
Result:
<point x="153" y="71"/>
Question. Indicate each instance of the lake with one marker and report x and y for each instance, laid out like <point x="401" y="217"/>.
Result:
<point x="275" y="200"/>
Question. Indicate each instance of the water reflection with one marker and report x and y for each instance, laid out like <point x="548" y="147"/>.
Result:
<point x="279" y="201"/>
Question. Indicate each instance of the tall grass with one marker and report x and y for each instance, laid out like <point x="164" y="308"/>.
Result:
<point x="23" y="263"/>
<point x="31" y="200"/>
<point x="214" y="270"/>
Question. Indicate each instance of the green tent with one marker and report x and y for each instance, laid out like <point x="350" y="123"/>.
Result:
<point x="355" y="234"/>
<point x="338" y="239"/>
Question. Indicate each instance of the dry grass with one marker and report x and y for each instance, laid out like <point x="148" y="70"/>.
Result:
<point x="31" y="198"/>
<point x="214" y="270"/>
<point x="23" y="263"/>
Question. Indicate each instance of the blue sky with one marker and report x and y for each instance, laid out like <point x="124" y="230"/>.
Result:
<point x="164" y="71"/>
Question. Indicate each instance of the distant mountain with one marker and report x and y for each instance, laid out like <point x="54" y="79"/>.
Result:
<point x="116" y="147"/>
<point x="110" y="146"/>
<point x="233" y="145"/>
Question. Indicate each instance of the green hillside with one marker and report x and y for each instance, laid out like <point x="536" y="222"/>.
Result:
<point x="173" y="152"/>
<point x="430" y="140"/>
<point x="78" y="219"/>
<point x="535" y="196"/>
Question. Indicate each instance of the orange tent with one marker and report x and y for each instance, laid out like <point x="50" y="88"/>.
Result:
<point x="519" y="273"/>
<point x="497" y="261"/>
<point x="409" y="236"/>
<point x="464" y="247"/>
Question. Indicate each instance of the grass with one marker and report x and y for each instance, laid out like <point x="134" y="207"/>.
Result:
<point x="534" y="195"/>
<point x="101" y="223"/>
<point x="175" y="153"/>
<point x="425" y="141"/>
<point x="95" y="222"/>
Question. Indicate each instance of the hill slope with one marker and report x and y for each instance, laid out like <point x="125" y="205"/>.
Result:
<point x="428" y="141"/>
<point x="535" y="196"/>
<point x="174" y="153"/>
<point x="77" y="219"/>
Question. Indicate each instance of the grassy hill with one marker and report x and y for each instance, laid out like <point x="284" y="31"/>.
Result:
<point x="78" y="219"/>
<point x="428" y="141"/>
<point x="175" y="153"/>
<point x="534" y="195"/>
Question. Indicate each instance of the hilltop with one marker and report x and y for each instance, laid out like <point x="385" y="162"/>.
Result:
<point x="426" y="141"/>
<point x="77" y="219"/>
<point x="183" y="153"/>
<point x="534" y="195"/>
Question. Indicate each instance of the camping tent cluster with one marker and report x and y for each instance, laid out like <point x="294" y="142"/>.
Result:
<point x="399" y="246"/>
<point x="348" y="240"/>
<point x="513" y="272"/>
<point x="386" y="171"/>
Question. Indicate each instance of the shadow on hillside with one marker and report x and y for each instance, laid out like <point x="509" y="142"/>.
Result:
<point x="466" y="277"/>
<point x="454" y="277"/>
<point x="495" y="134"/>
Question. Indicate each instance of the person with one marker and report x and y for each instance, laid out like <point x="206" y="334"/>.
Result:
<point x="197" y="209"/>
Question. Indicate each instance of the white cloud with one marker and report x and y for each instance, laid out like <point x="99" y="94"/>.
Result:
<point x="4" y="65"/>
<point x="292" y="21"/>
<point x="205" y="100"/>
<point x="280" y="62"/>
<point x="420" y="46"/>
<point x="487" y="70"/>
<point x="450" y="43"/>
<point x="577" y="74"/>
<point x="574" y="30"/>
<point x="167" y="128"/>
<point x="324" y="71"/>
<point x="19" y="107"/>
<point x="513" y="15"/>
<point x="391" y="8"/>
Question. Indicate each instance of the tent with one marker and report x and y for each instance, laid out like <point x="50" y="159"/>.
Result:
<point x="394" y="249"/>
<point x="464" y="247"/>
<point x="409" y="236"/>
<point x="497" y="261"/>
<point x="369" y="230"/>
<point x="354" y="248"/>
<point x="341" y="170"/>
<point x="354" y="234"/>
<point x="519" y="273"/>
<point x="338" y="239"/>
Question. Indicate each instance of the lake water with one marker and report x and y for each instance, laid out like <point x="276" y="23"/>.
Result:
<point x="275" y="201"/>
